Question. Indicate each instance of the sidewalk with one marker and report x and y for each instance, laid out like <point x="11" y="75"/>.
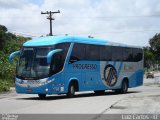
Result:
<point x="145" y="102"/>
<point x="10" y="93"/>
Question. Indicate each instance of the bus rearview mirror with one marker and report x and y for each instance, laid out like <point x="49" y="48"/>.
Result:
<point x="51" y="53"/>
<point x="12" y="55"/>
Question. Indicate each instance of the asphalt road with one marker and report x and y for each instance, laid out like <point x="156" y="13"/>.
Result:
<point x="144" y="99"/>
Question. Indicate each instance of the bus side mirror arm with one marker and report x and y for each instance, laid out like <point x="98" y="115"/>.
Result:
<point x="51" y="53"/>
<point x="12" y="55"/>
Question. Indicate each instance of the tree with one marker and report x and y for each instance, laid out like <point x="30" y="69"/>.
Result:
<point x="148" y="57"/>
<point x="155" y="46"/>
<point x="3" y="28"/>
<point x="8" y="43"/>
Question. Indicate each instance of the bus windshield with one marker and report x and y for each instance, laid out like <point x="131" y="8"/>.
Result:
<point x="33" y="62"/>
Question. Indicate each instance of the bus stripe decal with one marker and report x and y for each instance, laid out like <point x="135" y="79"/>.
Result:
<point x="111" y="76"/>
<point x="114" y="64"/>
<point x="108" y="77"/>
<point x="120" y="68"/>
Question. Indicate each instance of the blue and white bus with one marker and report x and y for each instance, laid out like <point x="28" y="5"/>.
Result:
<point x="65" y="65"/>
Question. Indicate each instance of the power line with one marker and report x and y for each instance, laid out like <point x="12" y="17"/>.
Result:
<point x="23" y="34"/>
<point x="114" y="32"/>
<point x="89" y="33"/>
<point x="90" y="17"/>
<point x="130" y="31"/>
<point x="50" y="18"/>
<point x="29" y="34"/>
<point x="127" y="16"/>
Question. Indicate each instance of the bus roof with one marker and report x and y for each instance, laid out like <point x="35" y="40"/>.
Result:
<point x="52" y="40"/>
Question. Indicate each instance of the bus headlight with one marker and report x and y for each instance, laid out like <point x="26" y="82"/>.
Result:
<point x="33" y="83"/>
<point x="46" y="82"/>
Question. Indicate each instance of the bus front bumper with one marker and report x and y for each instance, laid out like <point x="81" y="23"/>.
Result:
<point x="43" y="86"/>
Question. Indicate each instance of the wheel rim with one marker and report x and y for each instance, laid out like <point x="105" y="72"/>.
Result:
<point x="72" y="90"/>
<point x="125" y="87"/>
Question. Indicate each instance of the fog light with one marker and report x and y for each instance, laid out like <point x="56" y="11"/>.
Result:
<point x="46" y="90"/>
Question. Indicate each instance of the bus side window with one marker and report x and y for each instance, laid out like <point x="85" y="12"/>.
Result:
<point x="56" y="63"/>
<point x="105" y="53"/>
<point x="58" y="59"/>
<point x="117" y="53"/>
<point x="78" y="52"/>
<point x="140" y="55"/>
<point x="92" y="52"/>
<point x="137" y="54"/>
<point x="127" y="55"/>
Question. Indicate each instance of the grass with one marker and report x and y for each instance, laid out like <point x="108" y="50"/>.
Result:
<point x="5" y="85"/>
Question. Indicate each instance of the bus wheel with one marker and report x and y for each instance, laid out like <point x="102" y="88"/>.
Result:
<point x="42" y="96"/>
<point x="99" y="91"/>
<point x="124" y="88"/>
<point x="71" y="90"/>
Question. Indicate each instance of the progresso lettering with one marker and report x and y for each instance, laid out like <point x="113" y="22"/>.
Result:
<point x="85" y="66"/>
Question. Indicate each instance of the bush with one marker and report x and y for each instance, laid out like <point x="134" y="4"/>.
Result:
<point x="9" y="43"/>
<point x="4" y="85"/>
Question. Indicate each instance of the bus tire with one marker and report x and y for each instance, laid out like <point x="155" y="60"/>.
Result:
<point x="124" y="87"/>
<point x="71" y="90"/>
<point x="99" y="91"/>
<point x="42" y="96"/>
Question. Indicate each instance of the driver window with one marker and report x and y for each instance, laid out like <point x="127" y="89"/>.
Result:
<point x="58" y="59"/>
<point x="78" y="52"/>
<point x="56" y="63"/>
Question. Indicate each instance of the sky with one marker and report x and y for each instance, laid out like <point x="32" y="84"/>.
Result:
<point x="131" y="22"/>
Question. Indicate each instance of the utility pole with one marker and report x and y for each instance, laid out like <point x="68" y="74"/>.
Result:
<point x="50" y="18"/>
